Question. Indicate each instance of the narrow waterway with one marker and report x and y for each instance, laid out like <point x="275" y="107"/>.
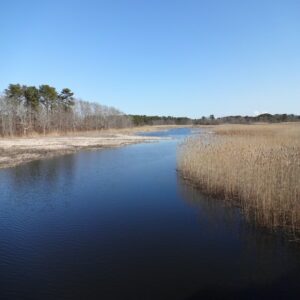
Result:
<point x="121" y="224"/>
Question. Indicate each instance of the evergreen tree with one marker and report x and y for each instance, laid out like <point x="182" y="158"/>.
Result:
<point x="48" y="97"/>
<point x="66" y="99"/>
<point x="15" y="93"/>
<point x="32" y="97"/>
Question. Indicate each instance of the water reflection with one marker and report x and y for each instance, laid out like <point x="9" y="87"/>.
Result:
<point x="50" y="170"/>
<point x="214" y="211"/>
<point x="264" y="262"/>
<point x="36" y="185"/>
<point x="220" y="211"/>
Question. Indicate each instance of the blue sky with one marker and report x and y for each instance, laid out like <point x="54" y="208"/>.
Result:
<point x="158" y="57"/>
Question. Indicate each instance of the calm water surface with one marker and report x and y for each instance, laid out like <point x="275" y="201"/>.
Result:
<point x="120" y="224"/>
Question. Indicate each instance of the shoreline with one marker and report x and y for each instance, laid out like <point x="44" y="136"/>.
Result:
<point x="15" y="151"/>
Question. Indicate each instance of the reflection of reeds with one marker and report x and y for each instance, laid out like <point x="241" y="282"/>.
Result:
<point x="211" y="211"/>
<point x="256" y="165"/>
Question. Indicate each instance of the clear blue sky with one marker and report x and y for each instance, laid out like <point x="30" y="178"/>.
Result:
<point x="164" y="57"/>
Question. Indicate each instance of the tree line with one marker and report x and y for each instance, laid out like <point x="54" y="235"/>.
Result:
<point x="29" y="109"/>
<point x="141" y="120"/>
<point x="262" y="118"/>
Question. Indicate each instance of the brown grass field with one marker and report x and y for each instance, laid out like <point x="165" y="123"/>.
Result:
<point x="256" y="166"/>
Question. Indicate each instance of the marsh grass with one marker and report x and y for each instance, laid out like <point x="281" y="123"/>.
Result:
<point x="256" y="166"/>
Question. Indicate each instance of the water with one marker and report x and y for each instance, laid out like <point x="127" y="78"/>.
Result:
<point x="121" y="224"/>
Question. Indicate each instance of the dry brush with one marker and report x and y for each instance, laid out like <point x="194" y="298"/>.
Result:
<point x="257" y="166"/>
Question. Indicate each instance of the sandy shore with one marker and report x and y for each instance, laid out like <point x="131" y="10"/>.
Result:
<point x="15" y="151"/>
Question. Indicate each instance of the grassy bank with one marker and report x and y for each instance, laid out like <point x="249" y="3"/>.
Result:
<point x="19" y="150"/>
<point x="257" y="166"/>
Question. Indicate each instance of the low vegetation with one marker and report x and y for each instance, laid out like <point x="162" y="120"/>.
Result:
<point x="257" y="166"/>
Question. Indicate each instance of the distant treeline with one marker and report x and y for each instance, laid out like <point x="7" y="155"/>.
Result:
<point x="140" y="120"/>
<point x="267" y="118"/>
<point x="29" y="109"/>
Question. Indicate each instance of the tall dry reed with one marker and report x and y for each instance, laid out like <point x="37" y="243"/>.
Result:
<point x="258" y="166"/>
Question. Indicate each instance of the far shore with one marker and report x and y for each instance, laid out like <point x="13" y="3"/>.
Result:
<point x="19" y="150"/>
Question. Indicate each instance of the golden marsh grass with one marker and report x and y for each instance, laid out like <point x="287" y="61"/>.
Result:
<point x="258" y="166"/>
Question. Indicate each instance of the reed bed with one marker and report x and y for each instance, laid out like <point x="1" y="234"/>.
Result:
<point x="256" y="166"/>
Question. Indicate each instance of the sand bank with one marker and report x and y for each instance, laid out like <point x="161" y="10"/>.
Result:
<point x="15" y="151"/>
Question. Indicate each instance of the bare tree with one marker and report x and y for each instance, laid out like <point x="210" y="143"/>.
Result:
<point x="26" y="110"/>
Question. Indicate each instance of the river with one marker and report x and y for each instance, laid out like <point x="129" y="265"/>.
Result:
<point x="121" y="224"/>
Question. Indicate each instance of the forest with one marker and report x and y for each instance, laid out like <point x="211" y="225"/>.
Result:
<point x="28" y="109"/>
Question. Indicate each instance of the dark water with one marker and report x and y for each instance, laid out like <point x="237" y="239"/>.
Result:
<point x="120" y="224"/>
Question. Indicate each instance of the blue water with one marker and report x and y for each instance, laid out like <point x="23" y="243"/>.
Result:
<point x="121" y="224"/>
<point x="176" y="133"/>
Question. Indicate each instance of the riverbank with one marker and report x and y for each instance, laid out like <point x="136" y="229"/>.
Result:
<point x="16" y="151"/>
<point x="256" y="166"/>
